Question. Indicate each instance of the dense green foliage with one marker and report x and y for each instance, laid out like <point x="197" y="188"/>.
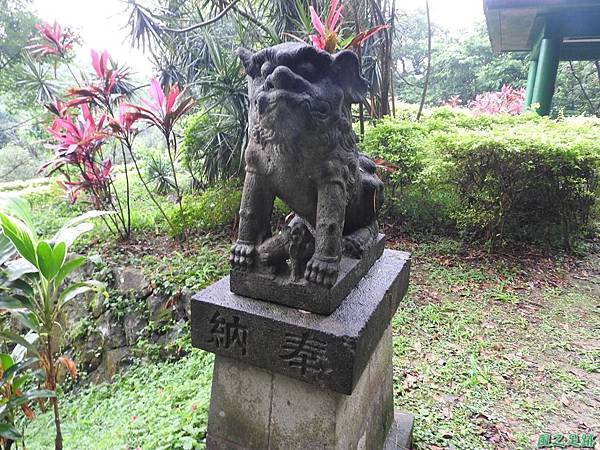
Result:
<point x="212" y="147"/>
<point x="496" y="177"/>
<point x="212" y="209"/>
<point x="158" y="406"/>
<point x="464" y="65"/>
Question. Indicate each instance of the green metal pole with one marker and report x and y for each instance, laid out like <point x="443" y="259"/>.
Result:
<point x="533" y="64"/>
<point x="545" y="77"/>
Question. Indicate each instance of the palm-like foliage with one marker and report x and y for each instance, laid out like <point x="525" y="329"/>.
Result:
<point x="39" y="80"/>
<point x="35" y="291"/>
<point x="15" y="376"/>
<point x="191" y="49"/>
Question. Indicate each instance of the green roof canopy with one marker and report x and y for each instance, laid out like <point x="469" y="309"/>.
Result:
<point x="552" y="30"/>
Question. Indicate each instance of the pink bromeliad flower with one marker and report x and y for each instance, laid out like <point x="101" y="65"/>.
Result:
<point x="55" y="41"/>
<point x="327" y="33"/>
<point x="326" y="39"/>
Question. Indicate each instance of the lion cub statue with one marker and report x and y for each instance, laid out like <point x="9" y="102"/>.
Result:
<point x="302" y="149"/>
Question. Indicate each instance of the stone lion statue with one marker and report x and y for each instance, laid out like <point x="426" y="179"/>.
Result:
<point x="302" y="149"/>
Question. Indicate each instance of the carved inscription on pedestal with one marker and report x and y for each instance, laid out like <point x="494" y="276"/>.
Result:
<point x="307" y="354"/>
<point x="228" y="333"/>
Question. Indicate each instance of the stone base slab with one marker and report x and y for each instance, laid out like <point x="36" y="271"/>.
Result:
<point x="400" y="434"/>
<point x="301" y="294"/>
<point x="328" y="351"/>
<point x="255" y="409"/>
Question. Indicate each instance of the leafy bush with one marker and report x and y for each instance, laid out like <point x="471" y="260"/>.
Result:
<point x="33" y="290"/>
<point x="212" y="146"/>
<point x="397" y="147"/>
<point x="499" y="178"/>
<point x="212" y="209"/>
<point x="526" y="186"/>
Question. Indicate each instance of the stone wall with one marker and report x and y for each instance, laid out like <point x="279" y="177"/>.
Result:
<point x="105" y="333"/>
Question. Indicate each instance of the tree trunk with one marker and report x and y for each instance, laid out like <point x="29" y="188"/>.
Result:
<point x="58" y="441"/>
<point x="426" y="84"/>
<point x="51" y="385"/>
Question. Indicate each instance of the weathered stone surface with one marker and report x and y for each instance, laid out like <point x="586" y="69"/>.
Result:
<point x="131" y="280"/>
<point x="97" y="306"/>
<point x="240" y="407"/>
<point x="329" y="351"/>
<point x="400" y="434"/>
<point x="167" y="341"/>
<point x="112" y="331"/>
<point x="82" y="273"/>
<point x="75" y="310"/>
<point x="303" y="294"/>
<point x="133" y="325"/>
<point x="156" y="307"/>
<point x="184" y="306"/>
<point x="89" y="351"/>
<point x="253" y="409"/>
<point x="113" y="362"/>
<point x="302" y="149"/>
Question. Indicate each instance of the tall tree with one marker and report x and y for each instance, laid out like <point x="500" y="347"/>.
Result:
<point x="16" y="30"/>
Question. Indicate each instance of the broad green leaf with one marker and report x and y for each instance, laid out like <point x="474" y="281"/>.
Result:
<point x="18" y="382"/>
<point x="70" y="235"/>
<point x="18" y="366"/>
<point x="28" y="396"/>
<point x="27" y="319"/>
<point x="21" y="237"/>
<point x="21" y="285"/>
<point x="19" y="267"/>
<point x="67" y="268"/>
<point x="59" y="251"/>
<point x="20" y="340"/>
<point x="17" y="207"/>
<point x="7" y="249"/>
<point x="7" y="431"/>
<point x="6" y="361"/>
<point x="79" y="288"/>
<point x="50" y="259"/>
<point x="44" y="258"/>
<point x="11" y="303"/>
<point x="39" y="393"/>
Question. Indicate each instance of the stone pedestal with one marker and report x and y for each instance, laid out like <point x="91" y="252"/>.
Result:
<point x="289" y="379"/>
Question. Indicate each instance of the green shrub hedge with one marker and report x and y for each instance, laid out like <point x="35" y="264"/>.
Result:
<point x="212" y="209"/>
<point x="499" y="178"/>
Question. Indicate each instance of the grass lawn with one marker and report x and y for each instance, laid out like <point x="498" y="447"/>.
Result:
<point x="489" y="350"/>
<point x="487" y="354"/>
<point x="492" y="351"/>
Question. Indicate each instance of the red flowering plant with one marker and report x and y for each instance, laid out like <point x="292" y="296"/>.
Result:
<point x="452" y="102"/>
<point x="95" y="115"/>
<point x="52" y="40"/>
<point x="507" y="101"/>
<point x="77" y="146"/>
<point x="78" y="140"/>
<point x="163" y="111"/>
<point x="328" y="33"/>
<point x="109" y="86"/>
